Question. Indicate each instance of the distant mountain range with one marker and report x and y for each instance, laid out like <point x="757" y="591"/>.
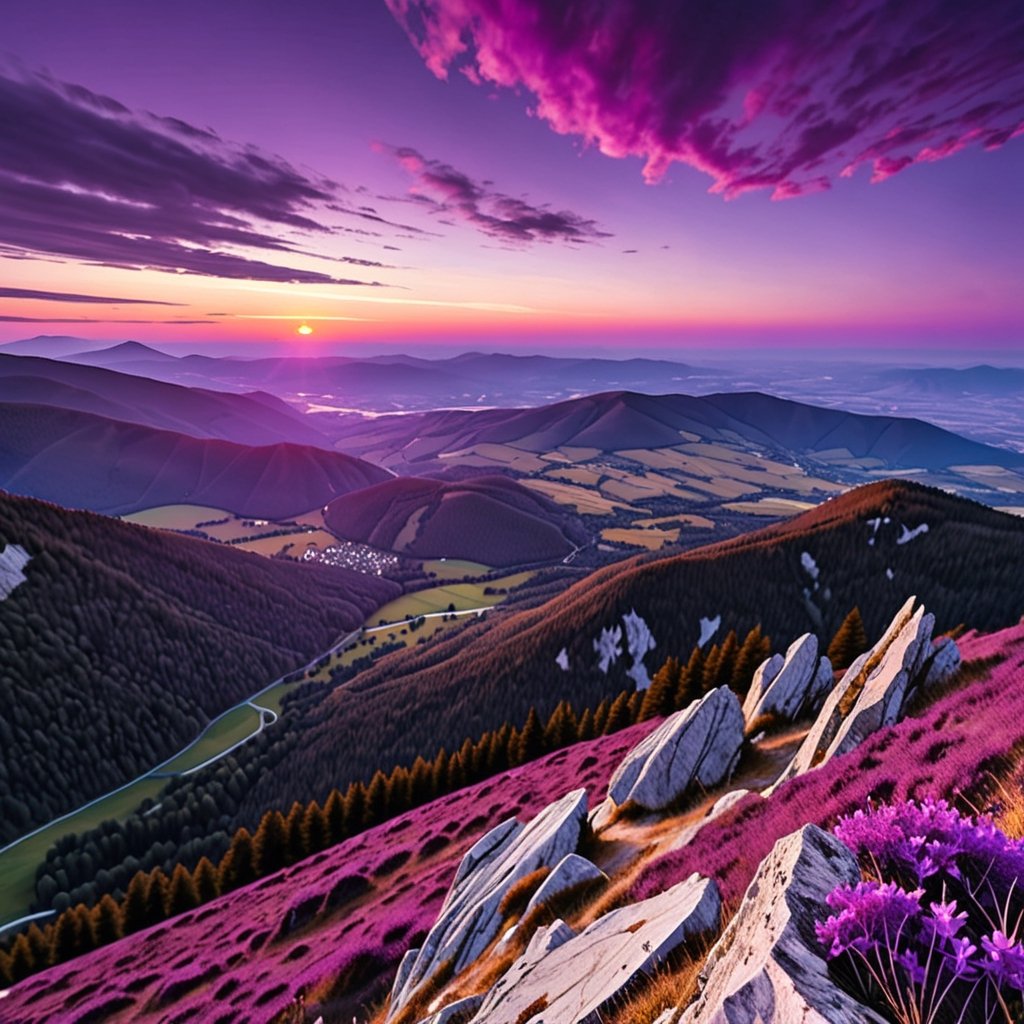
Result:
<point x="255" y="418"/>
<point x="82" y="460"/>
<point x="616" y="421"/>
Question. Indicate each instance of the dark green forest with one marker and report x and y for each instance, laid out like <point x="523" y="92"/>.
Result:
<point x="125" y="641"/>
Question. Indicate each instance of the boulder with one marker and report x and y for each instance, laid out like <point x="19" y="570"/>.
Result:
<point x="569" y="873"/>
<point x="698" y="746"/>
<point x="577" y="981"/>
<point x="874" y="691"/>
<point x="944" y="664"/>
<point x="470" y="919"/>
<point x="768" y="967"/>
<point x="792" y="686"/>
<point x="13" y="559"/>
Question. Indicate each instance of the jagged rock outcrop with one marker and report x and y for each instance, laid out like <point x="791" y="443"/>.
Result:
<point x="944" y="664"/>
<point x="790" y="686"/>
<point x="470" y="918"/>
<point x="575" y="981"/>
<point x="698" y="746"/>
<point x="768" y="967"/>
<point x="13" y="559"/>
<point x="875" y="690"/>
<point x="569" y="873"/>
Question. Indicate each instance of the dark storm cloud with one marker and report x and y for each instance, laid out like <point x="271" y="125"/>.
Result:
<point x="447" y="190"/>
<point x="778" y="94"/>
<point x="34" y="293"/>
<point x="81" y="176"/>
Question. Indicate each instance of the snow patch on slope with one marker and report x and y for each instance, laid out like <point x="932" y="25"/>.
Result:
<point x="13" y="560"/>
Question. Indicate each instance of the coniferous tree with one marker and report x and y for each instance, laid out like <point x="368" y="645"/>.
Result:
<point x="39" y="942"/>
<point x="497" y="754"/>
<point x="314" y="828"/>
<point x="6" y="976"/>
<point x="205" y="877"/>
<point x="293" y="833"/>
<point x="585" y="727"/>
<point x="334" y="811"/>
<point x="23" y="961"/>
<point x="531" y="739"/>
<point x="618" y="714"/>
<point x="601" y="716"/>
<point x="182" y="894"/>
<point x="561" y="727"/>
<point x="66" y="938"/>
<point x="236" y="866"/>
<point x="660" y="697"/>
<point x="355" y="806"/>
<point x="134" y="909"/>
<point x="156" y="896"/>
<point x="376" y="806"/>
<point x="106" y="921"/>
<point x="86" y="929"/>
<point x="270" y="844"/>
<point x="691" y="680"/>
<point x="849" y="642"/>
<point x="755" y="649"/>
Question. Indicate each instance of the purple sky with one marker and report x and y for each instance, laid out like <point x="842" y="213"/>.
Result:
<point x="514" y="171"/>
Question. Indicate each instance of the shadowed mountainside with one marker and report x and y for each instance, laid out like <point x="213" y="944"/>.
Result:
<point x="123" y="641"/>
<point x="86" y="461"/>
<point x="253" y="418"/>
<point x="493" y="520"/>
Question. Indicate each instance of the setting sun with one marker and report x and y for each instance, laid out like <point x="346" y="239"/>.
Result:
<point x="305" y="329"/>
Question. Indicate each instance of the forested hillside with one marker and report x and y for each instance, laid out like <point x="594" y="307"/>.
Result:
<point x="123" y="641"/>
<point x="802" y="575"/>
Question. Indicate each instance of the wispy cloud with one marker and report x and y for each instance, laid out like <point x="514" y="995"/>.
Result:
<point x="778" y="94"/>
<point x="81" y="176"/>
<point x="447" y="190"/>
<point x="33" y="293"/>
<point x="91" y="320"/>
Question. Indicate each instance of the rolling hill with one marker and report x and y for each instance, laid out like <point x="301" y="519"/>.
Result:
<point x="871" y="547"/>
<point x="493" y="520"/>
<point x="252" y="418"/>
<point x="122" y="641"/>
<point x="82" y="460"/>
<point x="617" y="421"/>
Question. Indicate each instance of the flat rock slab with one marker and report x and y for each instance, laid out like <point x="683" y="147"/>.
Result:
<point x="470" y="919"/>
<point x="698" y="746"/>
<point x="768" y="967"/>
<point x="573" y="983"/>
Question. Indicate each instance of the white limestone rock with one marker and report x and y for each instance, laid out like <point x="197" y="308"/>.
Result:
<point x="768" y="967"/>
<point x="13" y="560"/>
<point x="793" y="688"/>
<point x="944" y="664"/>
<point x="873" y="692"/>
<point x="470" y="920"/>
<point x="568" y="873"/>
<point x="576" y="981"/>
<point x="698" y="746"/>
<point x="459" y="1012"/>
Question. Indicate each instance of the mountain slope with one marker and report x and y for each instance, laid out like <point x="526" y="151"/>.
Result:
<point x="245" y="419"/>
<point x="122" y="641"/>
<point x="493" y="520"/>
<point x="116" y="355"/>
<point x="617" y="421"/>
<point x="82" y="460"/>
<point x="965" y="567"/>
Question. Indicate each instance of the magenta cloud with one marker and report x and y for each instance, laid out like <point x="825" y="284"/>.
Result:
<point x="783" y="95"/>
<point x="445" y="190"/>
<point x="82" y="176"/>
